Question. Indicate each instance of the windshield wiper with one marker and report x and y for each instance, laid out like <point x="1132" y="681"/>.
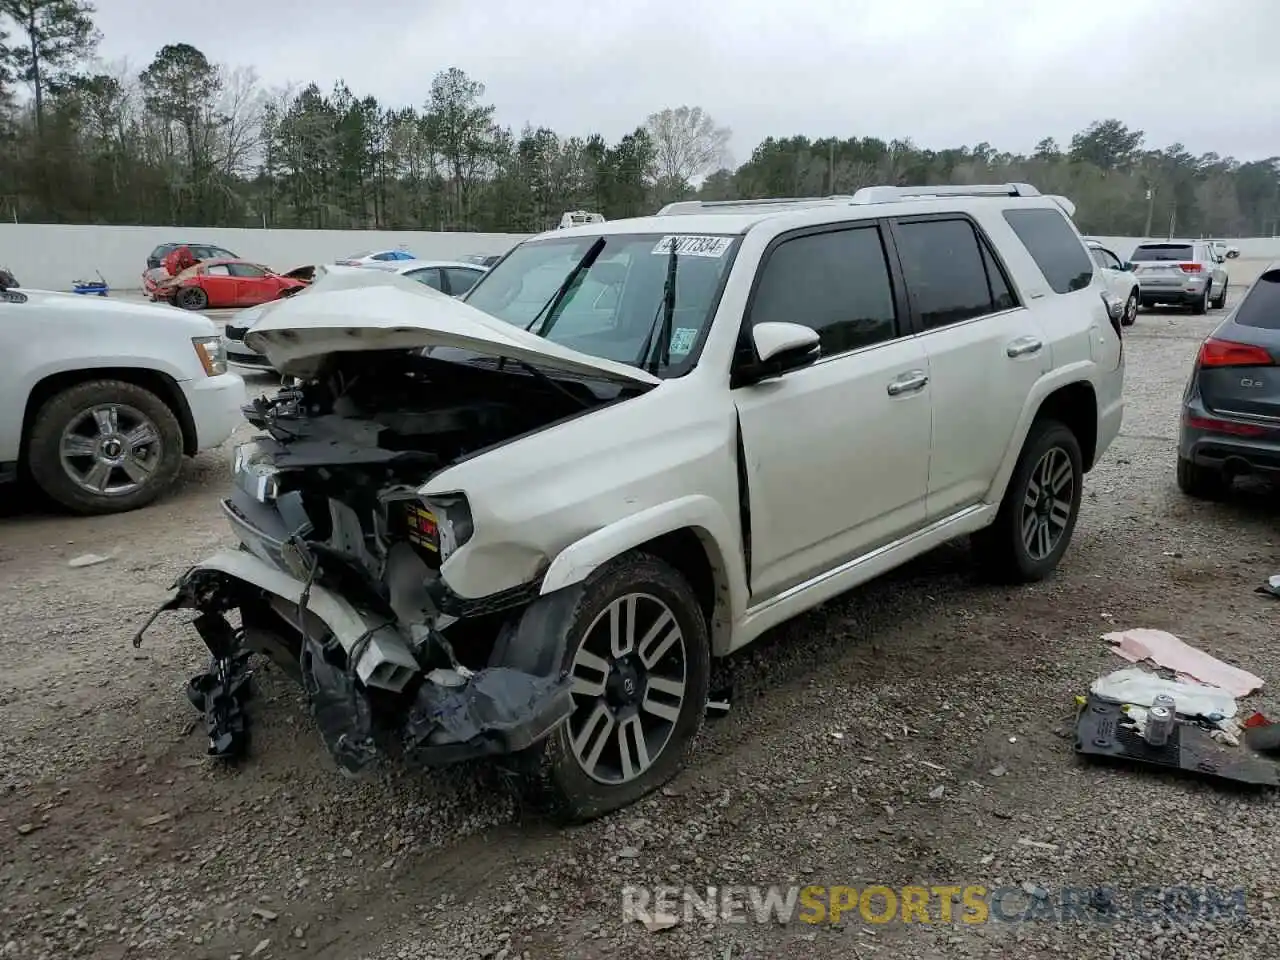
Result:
<point x="549" y="308"/>
<point x="666" y="314"/>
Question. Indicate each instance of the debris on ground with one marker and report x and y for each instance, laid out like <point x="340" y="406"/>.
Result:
<point x="1165" y="650"/>
<point x="87" y="560"/>
<point x="1272" y="587"/>
<point x="1134" y="685"/>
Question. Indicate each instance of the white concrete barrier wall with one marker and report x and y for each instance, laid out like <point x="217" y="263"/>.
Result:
<point x="54" y="256"/>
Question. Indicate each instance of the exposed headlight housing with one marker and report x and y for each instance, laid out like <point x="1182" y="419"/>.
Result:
<point x="453" y="521"/>
<point x="212" y="353"/>
<point x="255" y="473"/>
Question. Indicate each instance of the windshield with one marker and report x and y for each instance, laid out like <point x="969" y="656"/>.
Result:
<point x="1163" y="251"/>
<point x="615" y="302"/>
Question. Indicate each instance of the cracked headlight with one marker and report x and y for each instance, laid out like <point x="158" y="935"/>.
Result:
<point x="255" y="473"/>
<point x="452" y="515"/>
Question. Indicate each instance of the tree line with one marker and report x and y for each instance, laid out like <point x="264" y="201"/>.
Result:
<point x="189" y="142"/>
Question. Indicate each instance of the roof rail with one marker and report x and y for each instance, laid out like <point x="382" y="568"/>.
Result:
<point x="734" y="206"/>
<point x="888" y="194"/>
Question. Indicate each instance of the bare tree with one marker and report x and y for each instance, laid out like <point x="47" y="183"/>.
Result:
<point x="687" y="144"/>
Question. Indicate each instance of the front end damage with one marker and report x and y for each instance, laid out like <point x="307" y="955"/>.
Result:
<point x="337" y="578"/>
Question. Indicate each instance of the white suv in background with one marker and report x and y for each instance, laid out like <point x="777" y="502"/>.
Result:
<point x="524" y="523"/>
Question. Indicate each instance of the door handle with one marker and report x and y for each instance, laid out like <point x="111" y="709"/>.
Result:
<point x="1023" y="347"/>
<point x="908" y="383"/>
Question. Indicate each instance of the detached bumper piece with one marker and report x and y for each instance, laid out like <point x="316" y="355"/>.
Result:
<point x="496" y="711"/>
<point x="221" y="691"/>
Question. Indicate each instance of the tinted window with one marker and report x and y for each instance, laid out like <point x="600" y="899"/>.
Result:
<point x="946" y="272"/>
<point x="246" y="270"/>
<point x="1054" y="246"/>
<point x="221" y="253"/>
<point x="1002" y="297"/>
<point x="1163" y="251"/>
<point x="837" y="283"/>
<point x="219" y="270"/>
<point x="460" y="279"/>
<point x="1261" y="305"/>
<point x="428" y="275"/>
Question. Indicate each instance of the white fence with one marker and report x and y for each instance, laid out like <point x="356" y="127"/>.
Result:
<point x="53" y="256"/>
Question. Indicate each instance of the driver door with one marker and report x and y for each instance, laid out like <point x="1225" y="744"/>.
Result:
<point x="219" y="284"/>
<point x="837" y="453"/>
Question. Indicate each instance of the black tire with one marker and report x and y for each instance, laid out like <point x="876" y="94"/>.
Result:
<point x="44" y="446"/>
<point x="191" y="298"/>
<point x="1000" y="550"/>
<point x="1202" y="483"/>
<point x="1200" y="306"/>
<point x="1220" y="301"/>
<point x="1130" y="316"/>
<point x="554" y="779"/>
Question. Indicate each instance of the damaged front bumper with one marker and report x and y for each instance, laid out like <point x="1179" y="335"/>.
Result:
<point x="372" y="689"/>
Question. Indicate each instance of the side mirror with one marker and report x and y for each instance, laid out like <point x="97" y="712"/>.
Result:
<point x="781" y="347"/>
<point x="1127" y="266"/>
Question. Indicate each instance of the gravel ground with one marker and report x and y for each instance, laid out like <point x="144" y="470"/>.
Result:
<point x="916" y="731"/>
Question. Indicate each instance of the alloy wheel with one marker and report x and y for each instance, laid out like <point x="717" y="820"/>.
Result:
<point x="1046" y="506"/>
<point x="629" y="676"/>
<point x="110" y="449"/>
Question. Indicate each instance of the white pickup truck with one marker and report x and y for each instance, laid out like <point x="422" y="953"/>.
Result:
<point x="100" y="399"/>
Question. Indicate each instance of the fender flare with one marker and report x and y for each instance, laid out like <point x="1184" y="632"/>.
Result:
<point x="1051" y="382"/>
<point x="699" y="513"/>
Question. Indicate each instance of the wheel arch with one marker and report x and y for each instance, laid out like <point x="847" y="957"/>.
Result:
<point x="1067" y="397"/>
<point x="161" y="384"/>
<point x="691" y="534"/>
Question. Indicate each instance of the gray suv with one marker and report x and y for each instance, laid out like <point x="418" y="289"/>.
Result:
<point x="1184" y="272"/>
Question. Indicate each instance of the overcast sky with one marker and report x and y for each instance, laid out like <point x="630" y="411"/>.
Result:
<point x="942" y="72"/>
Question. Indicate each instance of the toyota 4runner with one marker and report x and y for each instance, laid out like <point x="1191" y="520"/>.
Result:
<point x="524" y="523"/>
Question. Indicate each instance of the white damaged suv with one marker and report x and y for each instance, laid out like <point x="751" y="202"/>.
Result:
<point x="524" y="523"/>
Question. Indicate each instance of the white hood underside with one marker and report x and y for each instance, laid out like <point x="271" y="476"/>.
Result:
<point x="360" y="310"/>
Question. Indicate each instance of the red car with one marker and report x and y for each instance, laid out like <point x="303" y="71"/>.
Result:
<point x="230" y="283"/>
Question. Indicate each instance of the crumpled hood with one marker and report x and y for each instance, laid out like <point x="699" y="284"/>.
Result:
<point x="373" y="310"/>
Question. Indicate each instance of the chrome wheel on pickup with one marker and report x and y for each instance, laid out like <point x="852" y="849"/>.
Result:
<point x="638" y="657"/>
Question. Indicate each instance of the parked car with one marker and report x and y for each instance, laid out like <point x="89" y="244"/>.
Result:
<point x="229" y="283"/>
<point x="1182" y="272"/>
<point x="1231" y="408"/>
<point x="1119" y="278"/>
<point x="201" y="251"/>
<point x="100" y="399"/>
<point x="448" y="276"/>
<point x="524" y="522"/>
<point x="375" y="256"/>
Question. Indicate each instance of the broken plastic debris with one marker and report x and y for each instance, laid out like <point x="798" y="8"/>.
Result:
<point x="1271" y="587"/>
<point x="1166" y="650"/>
<point x="87" y="560"/>
<point x="1133" y="685"/>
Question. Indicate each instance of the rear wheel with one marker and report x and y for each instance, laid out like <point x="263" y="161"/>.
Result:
<point x="1033" y="528"/>
<point x="1220" y="300"/>
<point x="192" y="298"/>
<point x="639" y="658"/>
<point x="1200" y="305"/>
<point x="1202" y="483"/>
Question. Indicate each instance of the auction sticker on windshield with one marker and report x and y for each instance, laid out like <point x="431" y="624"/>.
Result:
<point x="682" y="340"/>
<point x="691" y="246"/>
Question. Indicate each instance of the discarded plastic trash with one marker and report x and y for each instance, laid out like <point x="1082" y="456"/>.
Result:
<point x="1272" y="587"/>
<point x="87" y="560"/>
<point x="1165" y="650"/>
<point x="1141" y="687"/>
<point x="1160" y="721"/>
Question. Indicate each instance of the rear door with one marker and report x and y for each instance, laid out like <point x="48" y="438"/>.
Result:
<point x="1244" y="379"/>
<point x="985" y="352"/>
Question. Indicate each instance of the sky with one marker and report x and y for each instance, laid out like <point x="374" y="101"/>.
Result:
<point x="941" y="72"/>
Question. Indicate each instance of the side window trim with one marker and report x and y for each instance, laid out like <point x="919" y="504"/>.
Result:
<point x="902" y="325"/>
<point x="987" y="252"/>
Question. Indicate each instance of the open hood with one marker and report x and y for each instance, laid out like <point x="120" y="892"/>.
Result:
<point x="374" y="310"/>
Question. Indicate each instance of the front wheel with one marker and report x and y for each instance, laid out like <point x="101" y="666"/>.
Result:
<point x="639" y="658"/>
<point x="1130" y="316"/>
<point x="1038" y="513"/>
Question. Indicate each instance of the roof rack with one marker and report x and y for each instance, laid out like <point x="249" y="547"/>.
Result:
<point x="889" y="194"/>
<point x="735" y="206"/>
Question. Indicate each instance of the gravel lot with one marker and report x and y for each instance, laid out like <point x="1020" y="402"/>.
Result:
<point x="117" y="839"/>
